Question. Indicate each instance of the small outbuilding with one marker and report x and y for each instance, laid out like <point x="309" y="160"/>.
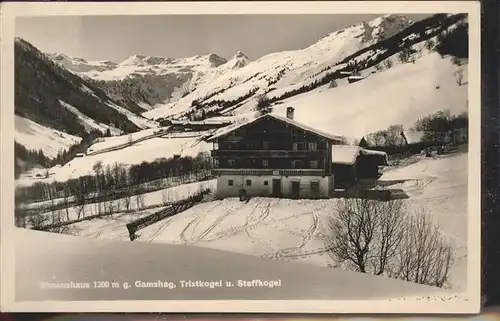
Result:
<point x="351" y="164"/>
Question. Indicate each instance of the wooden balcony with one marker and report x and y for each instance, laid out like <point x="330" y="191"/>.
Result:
<point x="268" y="172"/>
<point x="267" y="153"/>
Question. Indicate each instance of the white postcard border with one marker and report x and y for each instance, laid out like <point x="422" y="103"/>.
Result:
<point x="11" y="10"/>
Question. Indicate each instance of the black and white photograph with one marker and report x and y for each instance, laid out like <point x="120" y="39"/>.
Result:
<point x="218" y="158"/>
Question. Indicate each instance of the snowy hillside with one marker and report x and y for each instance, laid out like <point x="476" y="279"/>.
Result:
<point x="37" y="137"/>
<point x="287" y="74"/>
<point x="153" y="148"/>
<point x="399" y="95"/>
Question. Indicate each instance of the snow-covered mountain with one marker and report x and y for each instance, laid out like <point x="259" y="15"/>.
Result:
<point x="155" y="81"/>
<point x="144" y="81"/>
<point x="55" y="108"/>
<point x="282" y="75"/>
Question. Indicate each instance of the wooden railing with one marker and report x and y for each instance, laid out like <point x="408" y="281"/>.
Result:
<point x="268" y="172"/>
<point x="269" y="153"/>
<point x="172" y="209"/>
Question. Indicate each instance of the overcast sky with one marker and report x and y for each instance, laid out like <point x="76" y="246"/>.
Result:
<point x="118" y="37"/>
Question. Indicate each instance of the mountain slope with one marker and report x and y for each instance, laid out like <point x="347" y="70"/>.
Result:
<point x="286" y="74"/>
<point x="398" y="95"/>
<point x="44" y="91"/>
<point x="37" y="137"/>
<point x="141" y="83"/>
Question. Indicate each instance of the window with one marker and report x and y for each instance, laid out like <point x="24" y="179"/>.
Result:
<point x="229" y="146"/>
<point x="314" y="164"/>
<point x="230" y="182"/>
<point x="296" y="163"/>
<point x="265" y="163"/>
<point x="315" y="187"/>
<point x="249" y="182"/>
<point x="298" y="146"/>
<point x="265" y="145"/>
<point x="250" y="145"/>
<point x="216" y="162"/>
<point x="231" y="162"/>
<point x="216" y="146"/>
<point x="266" y="183"/>
<point x="313" y="146"/>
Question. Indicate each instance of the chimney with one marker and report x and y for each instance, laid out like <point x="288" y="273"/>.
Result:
<point x="289" y="112"/>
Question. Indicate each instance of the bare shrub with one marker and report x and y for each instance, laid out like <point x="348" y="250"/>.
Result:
<point x="457" y="61"/>
<point x="425" y="256"/>
<point x="405" y="54"/>
<point x="388" y="63"/>
<point x="381" y="238"/>
<point x="459" y="76"/>
<point x="333" y="84"/>
<point x="37" y="221"/>
<point x="429" y="44"/>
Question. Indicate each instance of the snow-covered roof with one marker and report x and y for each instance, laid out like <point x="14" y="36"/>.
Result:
<point x="287" y="120"/>
<point x="370" y="152"/>
<point x="347" y="154"/>
<point x="203" y="122"/>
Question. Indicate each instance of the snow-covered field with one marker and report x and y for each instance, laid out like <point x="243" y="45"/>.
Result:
<point x="299" y="281"/>
<point x="295" y="229"/>
<point x="139" y="205"/>
<point x="148" y="150"/>
<point x="37" y="137"/>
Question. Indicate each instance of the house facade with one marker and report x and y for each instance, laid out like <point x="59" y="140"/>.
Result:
<point x="273" y="156"/>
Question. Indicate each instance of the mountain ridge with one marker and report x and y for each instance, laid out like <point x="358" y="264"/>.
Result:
<point x="166" y="80"/>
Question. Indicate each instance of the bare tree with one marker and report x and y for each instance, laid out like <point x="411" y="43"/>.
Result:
<point x="139" y="199"/>
<point x="263" y="105"/>
<point x="381" y="238"/>
<point x="20" y="217"/>
<point x="66" y="195"/>
<point x="393" y="136"/>
<point x="165" y="197"/>
<point x="127" y="200"/>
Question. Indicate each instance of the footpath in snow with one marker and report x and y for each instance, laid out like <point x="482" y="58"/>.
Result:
<point x="295" y="230"/>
